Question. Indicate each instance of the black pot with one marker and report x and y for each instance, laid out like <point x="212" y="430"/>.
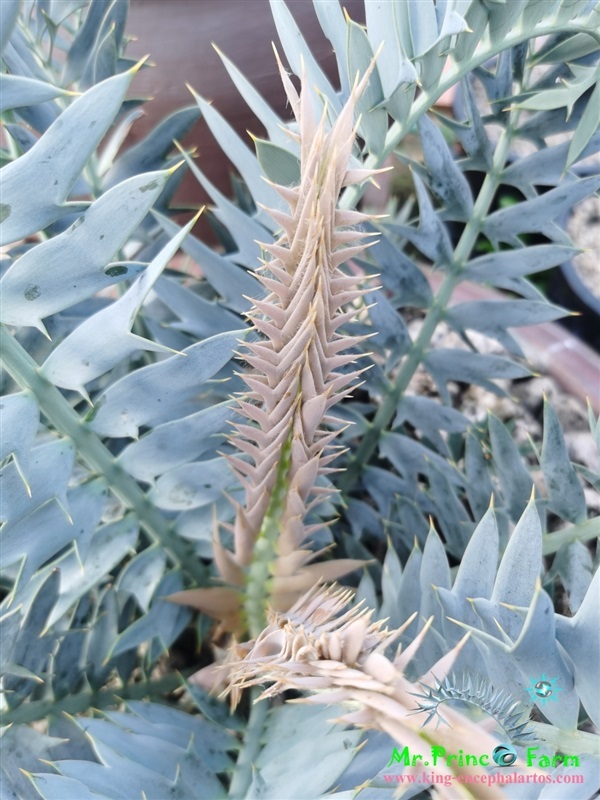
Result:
<point x="568" y="290"/>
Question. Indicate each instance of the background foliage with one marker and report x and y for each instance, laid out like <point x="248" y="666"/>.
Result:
<point x="111" y="439"/>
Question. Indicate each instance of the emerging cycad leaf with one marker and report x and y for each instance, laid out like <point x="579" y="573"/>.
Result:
<point x="335" y="652"/>
<point x="286" y="440"/>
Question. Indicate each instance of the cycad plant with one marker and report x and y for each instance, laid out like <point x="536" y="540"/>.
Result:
<point x="229" y="442"/>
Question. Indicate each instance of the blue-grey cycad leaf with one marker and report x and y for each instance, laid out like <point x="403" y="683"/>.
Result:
<point x="536" y="654"/>
<point x="199" y="316"/>
<point x="229" y="280"/>
<point x="460" y="608"/>
<point x="36" y="185"/>
<point x="565" y="492"/>
<point x="104" y="627"/>
<point x="150" y="153"/>
<point x="401" y="275"/>
<point x="410" y="458"/>
<point x="473" y="138"/>
<point x="210" y="740"/>
<point x="445" y="177"/>
<point x="103" y="62"/>
<point x="409" y="594"/>
<point x="477" y="570"/>
<point x="99" y="20"/>
<point x="493" y="317"/>
<point x="198" y="524"/>
<point x="245" y="231"/>
<point x="241" y="157"/>
<point x="109" y="545"/>
<point x="75" y="264"/>
<point x="305" y="736"/>
<point x="300" y="59"/>
<point x="571" y="48"/>
<point x="363" y="520"/>
<point x="193" y="485"/>
<point x="277" y="163"/>
<point x="475" y="578"/>
<point x="538" y="215"/>
<point x="11" y="618"/>
<point x="19" y="57"/>
<point x="503" y="17"/>
<point x="494" y="268"/>
<point x="586" y="128"/>
<point x="271" y="121"/>
<point x="115" y="140"/>
<point x="430" y="418"/>
<point x="68" y="661"/>
<point x="23" y="137"/>
<point x="543" y="124"/>
<point x="385" y="487"/>
<point x="586" y="788"/>
<point x="391" y="580"/>
<point x="515" y="480"/>
<point x="124" y="778"/>
<point x="498" y="84"/>
<point x="373" y="118"/>
<point x="546" y="167"/>
<point x="105" y="339"/>
<point x="565" y="94"/>
<point x="44" y="532"/>
<point x="467" y="367"/>
<point x="423" y="25"/>
<point x="142" y="575"/>
<point x="138" y="398"/>
<point x="435" y="573"/>
<point x="57" y="787"/>
<point x="522" y="561"/>
<point x="392" y="334"/>
<point x="574" y="564"/>
<point x="397" y="72"/>
<point x="451" y="17"/>
<point x="9" y="11"/>
<point x="164" y="622"/>
<point x="580" y="637"/>
<point x="479" y="483"/>
<point x="17" y="91"/>
<point x="453" y="518"/>
<point x="182" y="766"/>
<point x="332" y="22"/>
<point x="431" y="237"/>
<point x="19" y="422"/>
<point x="51" y="468"/>
<point x="24" y="749"/>
<point x="33" y="646"/>
<point x="178" y="442"/>
<point x="366" y="591"/>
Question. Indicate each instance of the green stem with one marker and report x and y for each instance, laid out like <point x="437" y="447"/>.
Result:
<point x="583" y="532"/>
<point x="573" y="742"/>
<point x="434" y="316"/>
<point x="83" y="701"/>
<point x="96" y="455"/>
<point x="426" y="100"/>
<point x="258" y="582"/>
<point x="242" y="776"/>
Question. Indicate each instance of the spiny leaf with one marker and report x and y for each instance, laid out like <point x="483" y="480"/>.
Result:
<point x="36" y="185"/>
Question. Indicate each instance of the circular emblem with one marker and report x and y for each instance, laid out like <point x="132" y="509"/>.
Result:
<point x="504" y="755"/>
<point x="543" y="689"/>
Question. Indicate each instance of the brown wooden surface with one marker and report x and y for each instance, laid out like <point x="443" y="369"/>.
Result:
<point x="178" y="35"/>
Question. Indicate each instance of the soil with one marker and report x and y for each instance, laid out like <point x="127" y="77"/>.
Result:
<point x="522" y="406"/>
